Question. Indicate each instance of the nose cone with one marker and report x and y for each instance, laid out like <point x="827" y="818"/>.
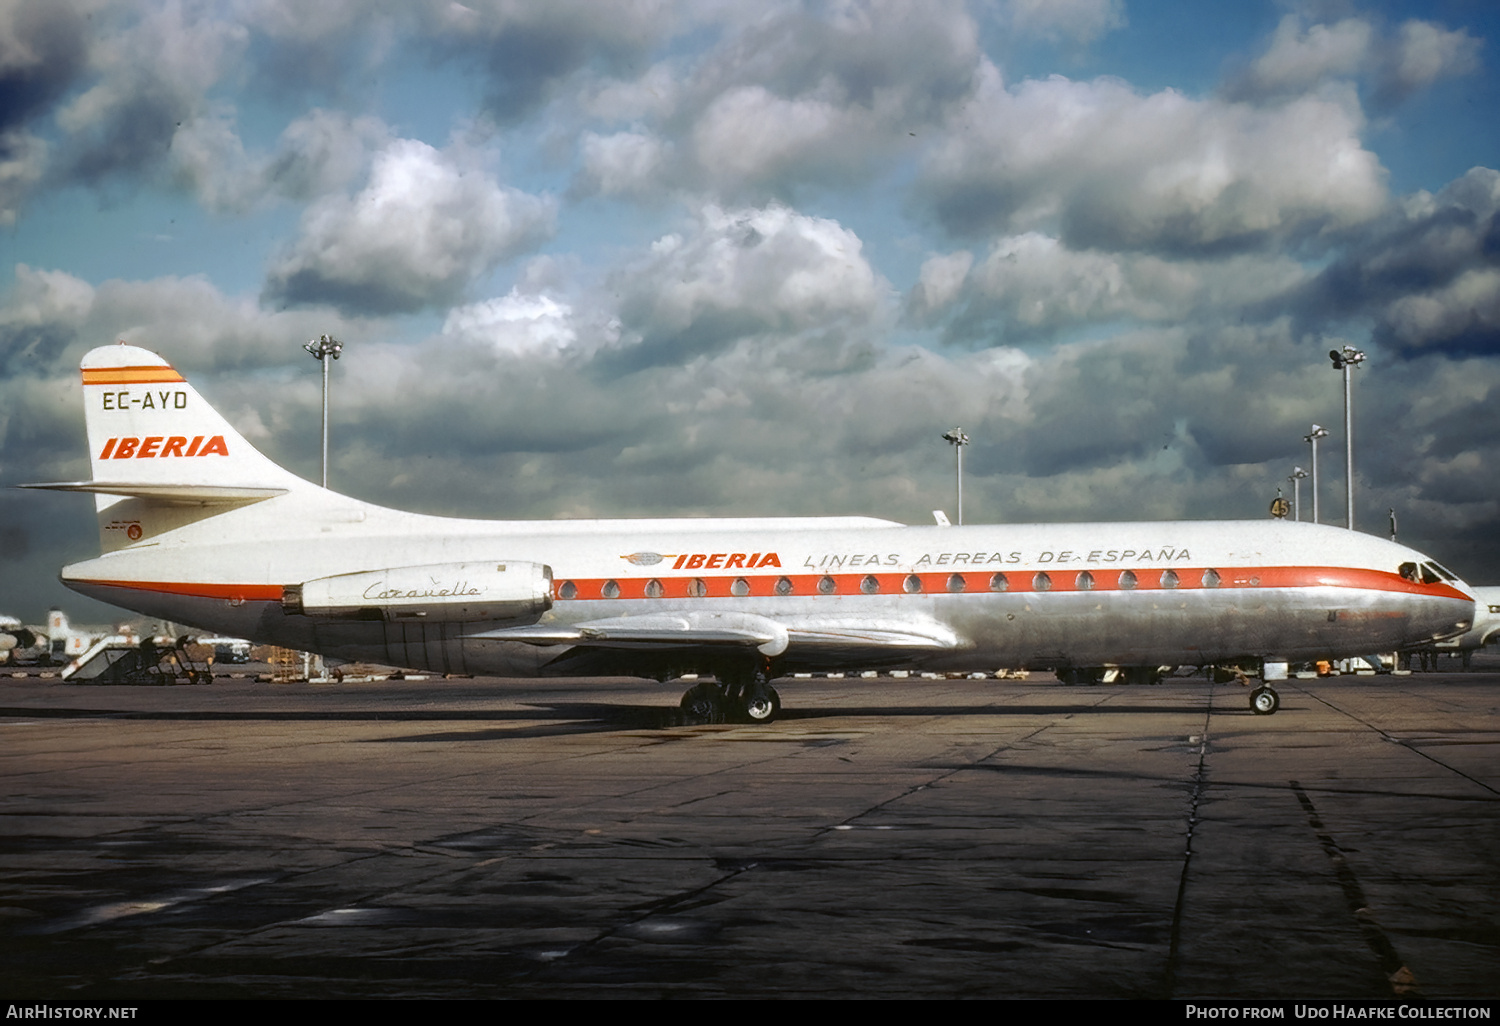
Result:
<point x="1444" y="617"/>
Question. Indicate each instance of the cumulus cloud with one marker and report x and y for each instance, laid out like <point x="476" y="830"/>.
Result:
<point x="1104" y="166"/>
<point x="747" y="273"/>
<point x="796" y="95"/>
<point x="1032" y="286"/>
<point x="523" y="324"/>
<point x="525" y="50"/>
<point x="1462" y="315"/>
<point x="1301" y="57"/>
<point x="1422" y="53"/>
<point x="801" y="97"/>
<point x="43" y="50"/>
<point x="154" y="75"/>
<point x="317" y="154"/>
<point x="49" y="319"/>
<point x="1425" y="272"/>
<point x="323" y="151"/>
<point x="23" y="161"/>
<point x="622" y="164"/>
<point x="419" y="232"/>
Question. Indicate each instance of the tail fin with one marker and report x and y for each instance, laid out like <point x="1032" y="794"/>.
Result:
<point x="161" y="456"/>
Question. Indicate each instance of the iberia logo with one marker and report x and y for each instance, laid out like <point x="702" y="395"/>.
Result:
<point x="158" y="446"/>
<point x="725" y="560"/>
<point x="706" y="560"/>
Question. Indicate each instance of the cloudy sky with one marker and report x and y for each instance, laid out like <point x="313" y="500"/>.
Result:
<point x="724" y="257"/>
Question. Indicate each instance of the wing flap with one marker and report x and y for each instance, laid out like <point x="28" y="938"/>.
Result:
<point x="657" y="630"/>
<point x="750" y="630"/>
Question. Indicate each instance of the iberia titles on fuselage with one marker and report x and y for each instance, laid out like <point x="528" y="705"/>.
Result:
<point x="200" y="528"/>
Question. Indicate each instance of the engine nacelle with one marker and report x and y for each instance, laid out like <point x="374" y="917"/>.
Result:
<point x="434" y="593"/>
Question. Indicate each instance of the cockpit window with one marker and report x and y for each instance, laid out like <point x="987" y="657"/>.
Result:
<point x="1408" y="571"/>
<point x="1430" y="574"/>
<point x="1448" y="575"/>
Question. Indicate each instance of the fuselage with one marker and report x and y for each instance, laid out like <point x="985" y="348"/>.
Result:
<point x="1034" y="595"/>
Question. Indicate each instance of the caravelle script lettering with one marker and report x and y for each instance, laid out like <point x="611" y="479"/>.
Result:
<point x="380" y="590"/>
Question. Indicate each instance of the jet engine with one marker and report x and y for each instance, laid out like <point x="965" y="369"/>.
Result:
<point x="433" y="593"/>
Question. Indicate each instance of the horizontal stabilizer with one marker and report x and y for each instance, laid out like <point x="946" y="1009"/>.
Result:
<point x="172" y="494"/>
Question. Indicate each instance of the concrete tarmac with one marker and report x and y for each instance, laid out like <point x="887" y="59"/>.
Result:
<point x="480" y="838"/>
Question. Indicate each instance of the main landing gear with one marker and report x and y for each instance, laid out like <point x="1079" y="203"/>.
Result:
<point x="742" y="695"/>
<point x="1264" y="700"/>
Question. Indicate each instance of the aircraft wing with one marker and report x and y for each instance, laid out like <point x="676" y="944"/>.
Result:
<point x="750" y="630"/>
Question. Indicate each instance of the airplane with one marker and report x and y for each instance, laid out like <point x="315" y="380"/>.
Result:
<point x="15" y="639"/>
<point x="67" y="641"/>
<point x="197" y="527"/>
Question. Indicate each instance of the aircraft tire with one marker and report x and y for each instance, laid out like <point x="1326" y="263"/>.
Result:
<point x="1264" y="701"/>
<point x="702" y="704"/>
<point x="762" y="708"/>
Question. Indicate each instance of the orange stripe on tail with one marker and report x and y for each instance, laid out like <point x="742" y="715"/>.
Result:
<point x="130" y="375"/>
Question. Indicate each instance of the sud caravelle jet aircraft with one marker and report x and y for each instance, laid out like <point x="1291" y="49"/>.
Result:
<point x="197" y="527"/>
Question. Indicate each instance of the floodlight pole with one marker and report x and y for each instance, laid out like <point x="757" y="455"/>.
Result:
<point x="321" y="349"/>
<point x="1346" y="360"/>
<point x="1318" y="431"/>
<point x="1296" y="478"/>
<point x="958" y="440"/>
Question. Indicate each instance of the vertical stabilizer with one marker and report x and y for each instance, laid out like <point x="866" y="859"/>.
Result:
<point x="160" y="455"/>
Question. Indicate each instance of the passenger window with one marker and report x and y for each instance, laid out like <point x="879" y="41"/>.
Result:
<point x="1084" y="581"/>
<point x="783" y="585"/>
<point x="827" y="585"/>
<point x="1210" y="578"/>
<point x="1041" y="582"/>
<point x="740" y="588"/>
<point x="654" y="588"/>
<point x="912" y="585"/>
<point x="697" y="588"/>
<point x="1169" y="579"/>
<point x="956" y="582"/>
<point x="611" y="589"/>
<point x="999" y="582"/>
<point x="568" y="591"/>
<point x="869" y="584"/>
<point x="1128" y="581"/>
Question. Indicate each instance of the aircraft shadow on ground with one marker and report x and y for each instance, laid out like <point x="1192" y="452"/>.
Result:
<point x="585" y="717"/>
<point x="594" y="717"/>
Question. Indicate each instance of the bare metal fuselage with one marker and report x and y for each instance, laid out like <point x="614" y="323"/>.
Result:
<point x="966" y="598"/>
